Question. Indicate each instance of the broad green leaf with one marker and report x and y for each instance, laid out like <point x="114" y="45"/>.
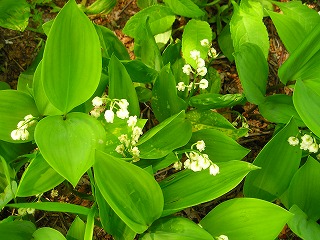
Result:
<point x="76" y="230"/>
<point x="306" y="99"/>
<point x="161" y="19"/>
<point x="194" y="32"/>
<point x="111" y="44"/>
<point x="17" y="230"/>
<point x="293" y="68"/>
<point x="139" y="72"/>
<point x="111" y="222"/>
<point x="145" y="46"/>
<point x="172" y="53"/>
<point x="130" y="191"/>
<point x="279" y="108"/>
<point x="48" y="234"/>
<point x="53" y="207"/>
<point x="177" y="228"/>
<point x="101" y="6"/>
<point x="207" y="119"/>
<point x="144" y="94"/>
<point x="302" y="226"/>
<point x="71" y="65"/>
<point x="8" y="194"/>
<point x="254" y="82"/>
<point x="187" y="188"/>
<point x="44" y="106"/>
<point x="14" y="14"/>
<point x="225" y="43"/>
<point x="121" y="86"/>
<point x="157" y="164"/>
<point x="246" y="26"/>
<point x="14" y="106"/>
<point x="146" y="3"/>
<point x="246" y="219"/>
<point x="185" y="8"/>
<point x="172" y="133"/>
<point x="165" y="101"/>
<point x="68" y="143"/>
<point x="303" y="189"/>
<point x="38" y="178"/>
<point x="10" y="151"/>
<point x="219" y="147"/>
<point x="4" y="86"/>
<point x="278" y="161"/>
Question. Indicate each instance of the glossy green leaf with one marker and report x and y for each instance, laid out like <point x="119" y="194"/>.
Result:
<point x="177" y="228"/>
<point x="111" y="44"/>
<point x="172" y="133"/>
<point x="279" y="108"/>
<point x="76" y="230"/>
<point x="17" y="230"/>
<point x="157" y="164"/>
<point x="225" y="43"/>
<point x="14" y="14"/>
<point x="111" y="222"/>
<point x="53" y="207"/>
<point x="219" y="147"/>
<point x="71" y="145"/>
<point x="172" y="53"/>
<point x="139" y="72"/>
<point x="121" y="86"/>
<point x="194" y="32"/>
<point x="207" y="119"/>
<point x="165" y="101"/>
<point x="303" y="189"/>
<point x="161" y="19"/>
<point x="14" y="106"/>
<point x="144" y="94"/>
<point x="278" y="161"/>
<point x="302" y="226"/>
<point x="306" y="99"/>
<point x="38" y="178"/>
<point x="131" y="192"/>
<point x="48" y="234"/>
<point x="246" y="26"/>
<point x="185" y="8"/>
<point x="246" y="219"/>
<point x="145" y="46"/>
<point x="71" y="65"/>
<point x="187" y="188"/>
<point x="254" y="82"/>
<point x="101" y="6"/>
<point x="10" y="151"/>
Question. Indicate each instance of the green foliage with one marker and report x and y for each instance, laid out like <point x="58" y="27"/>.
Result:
<point x="14" y="14"/>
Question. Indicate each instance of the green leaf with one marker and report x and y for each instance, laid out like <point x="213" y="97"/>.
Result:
<point x="88" y="233"/>
<point x="246" y="219"/>
<point x="4" y="86"/>
<point x="246" y="26"/>
<point x="165" y="101"/>
<point x="111" y="222"/>
<point x="14" y="106"/>
<point x="185" y="8"/>
<point x="254" y="82"/>
<point x="278" y="161"/>
<point x="225" y="43"/>
<point x="194" y="32"/>
<point x="146" y="3"/>
<point x="157" y="164"/>
<point x="131" y="192"/>
<point x="38" y="178"/>
<point x="302" y="226"/>
<point x="48" y="234"/>
<point x="306" y="99"/>
<point x="14" y="14"/>
<point x="172" y="133"/>
<point x="71" y="65"/>
<point x="279" y="108"/>
<point x="111" y="44"/>
<point x="177" y="228"/>
<point x="72" y="143"/>
<point x="161" y="19"/>
<point x="17" y="230"/>
<point x="53" y="207"/>
<point x="139" y="72"/>
<point x="207" y="119"/>
<point x="8" y="193"/>
<point x="76" y="230"/>
<point x="121" y="86"/>
<point x="101" y="6"/>
<point x="303" y="189"/>
<point x="187" y="188"/>
<point x="10" y="151"/>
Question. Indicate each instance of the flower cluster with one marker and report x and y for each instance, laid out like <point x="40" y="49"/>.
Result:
<point x="100" y="105"/>
<point x="25" y="211"/>
<point x="222" y="237"/>
<point x="197" y="161"/>
<point x="128" y="145"/>
<point x="308" y="143"/>
<point x="21" y="133"/>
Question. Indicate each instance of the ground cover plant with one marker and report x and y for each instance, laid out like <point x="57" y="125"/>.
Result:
<point x="79" y="116"/>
